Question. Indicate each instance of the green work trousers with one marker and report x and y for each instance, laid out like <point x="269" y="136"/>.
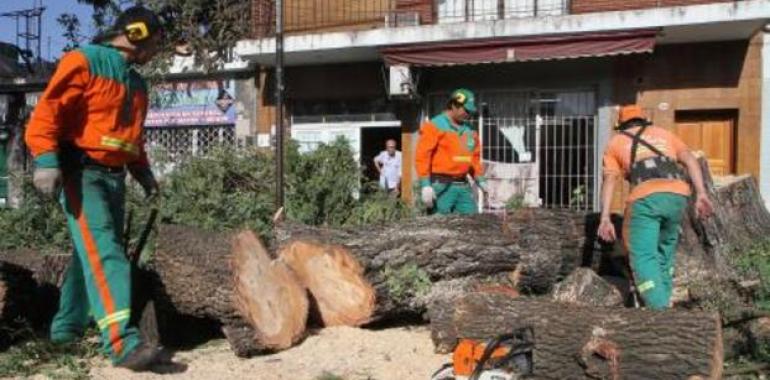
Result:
<point x="651" y="232"/>
<point x="98" y="282"/>
<point x="454" y="197"/>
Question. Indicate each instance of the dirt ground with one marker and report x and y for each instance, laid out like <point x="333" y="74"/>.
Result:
<point x="403" y="353"/>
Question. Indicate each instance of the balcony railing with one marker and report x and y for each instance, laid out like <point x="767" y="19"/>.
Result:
<point x="310" y="16"/>
<point x="448" y="11"/>
<point x="313" y="16"/>
<point x="302" y="16"/>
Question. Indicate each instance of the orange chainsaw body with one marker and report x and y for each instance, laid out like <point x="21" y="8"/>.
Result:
<point x="468" y="353"/>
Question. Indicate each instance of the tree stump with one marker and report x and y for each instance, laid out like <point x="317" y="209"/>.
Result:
<point x="578" y="342"/>
<point x="740" y="220"/>
<point x="231" y="279"/>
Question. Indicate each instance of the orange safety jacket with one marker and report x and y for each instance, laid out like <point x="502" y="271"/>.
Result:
<point x="448" y="150"/>
<point x="96" y="103"/>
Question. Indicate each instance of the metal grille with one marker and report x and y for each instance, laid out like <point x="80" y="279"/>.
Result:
<point x="538" y="147"/>
<point x="177" y="143"/>
<point x="449" y="11"/>
<point x="319" y="15"/>
<point x="540" y="161"/>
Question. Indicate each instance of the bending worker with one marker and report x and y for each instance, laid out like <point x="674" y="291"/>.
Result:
<point x="648" y="157"/>
<point x="84" y="134"/>
<point x="448" y="151"/>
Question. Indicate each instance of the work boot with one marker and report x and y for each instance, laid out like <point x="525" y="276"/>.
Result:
<point x="142" y="358"/>
<point x="64" y="338"/>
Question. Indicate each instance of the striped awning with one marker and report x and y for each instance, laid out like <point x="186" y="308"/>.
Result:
<point x="523" y="49"/>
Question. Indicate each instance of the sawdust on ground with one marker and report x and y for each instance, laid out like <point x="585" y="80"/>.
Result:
<point x="402" y="353"/>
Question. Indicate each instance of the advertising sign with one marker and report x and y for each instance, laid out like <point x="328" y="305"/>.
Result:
<point x="204" y="102"/>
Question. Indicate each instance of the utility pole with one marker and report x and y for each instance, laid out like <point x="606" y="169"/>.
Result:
<point x="279" y="127"/>
<point x="33" y="30"/>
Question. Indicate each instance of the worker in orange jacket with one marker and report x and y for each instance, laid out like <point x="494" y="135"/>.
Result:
<point x="84" y="133"/>
<point x="448" y="151"/>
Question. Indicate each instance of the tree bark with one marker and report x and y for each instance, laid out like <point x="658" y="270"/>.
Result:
<point x="30" y="282"/>
<point x="410" y="262"/>
<point x="579" y="342"/>
<point x="585" y="287"/>
<point x="231" y="279"/>
<point x="740" y="220"/>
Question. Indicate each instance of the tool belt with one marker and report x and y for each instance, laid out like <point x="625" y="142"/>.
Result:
<point x="446" y="178"/>
<point x="660" y="166"/>
<point x="76" y="159"/>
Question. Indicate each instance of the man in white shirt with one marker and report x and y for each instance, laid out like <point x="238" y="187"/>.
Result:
<point x="388" y="164"/>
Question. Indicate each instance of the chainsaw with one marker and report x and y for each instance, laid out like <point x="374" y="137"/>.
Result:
<point x="506" y="357"/>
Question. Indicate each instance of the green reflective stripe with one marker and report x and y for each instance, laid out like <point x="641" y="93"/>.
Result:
<point x="115" y="317"/>
<point x="119" y="144"/>
<point x="465" y="159"/>
<point x="645" y="286"/>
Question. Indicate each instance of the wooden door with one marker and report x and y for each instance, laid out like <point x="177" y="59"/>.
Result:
<point x="713" y="133"/>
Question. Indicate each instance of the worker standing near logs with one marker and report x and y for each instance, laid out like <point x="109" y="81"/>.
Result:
<point x="649" y="157"/>
<point x="447" y="153"/>
<point x="85" y="132"/>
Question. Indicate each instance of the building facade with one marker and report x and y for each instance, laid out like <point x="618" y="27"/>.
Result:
<point x="549" y="72"/>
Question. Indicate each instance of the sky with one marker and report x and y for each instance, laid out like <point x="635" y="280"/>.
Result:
<point x="51" y="29"/>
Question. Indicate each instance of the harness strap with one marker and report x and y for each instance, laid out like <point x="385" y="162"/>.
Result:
<point x="637" y="139"/>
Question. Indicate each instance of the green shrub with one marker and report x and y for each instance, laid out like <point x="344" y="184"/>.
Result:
<point x="515" y="202"/>
<point x="377" y="206"/>
<point x="405" y="281"/>
<point x="38" y="223"/>
<point x="321" y="185"/>
<point x="754" y="263"/>
<point x="228" y="189"/>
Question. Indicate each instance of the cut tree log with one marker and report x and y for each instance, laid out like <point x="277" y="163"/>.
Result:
<point x="335" y="281"/>
<point x="30" y="282"/>
<point x="231" y="279"/>
<point x="410" y="262"/>
<point x="585" y="287"/>
<point x="579" y="342"/>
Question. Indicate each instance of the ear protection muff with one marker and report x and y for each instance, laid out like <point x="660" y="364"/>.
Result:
<point x="137" y="31"/>
<point x="460" y="98"/>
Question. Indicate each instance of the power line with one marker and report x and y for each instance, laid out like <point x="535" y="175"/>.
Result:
<point x="33" y="28"/>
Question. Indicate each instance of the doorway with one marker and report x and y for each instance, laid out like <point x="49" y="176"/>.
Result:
<point x="713" y="133"/>
<point x="372" y="143"/>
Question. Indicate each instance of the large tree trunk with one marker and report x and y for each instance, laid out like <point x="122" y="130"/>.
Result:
<point x="409" y="262"/>
<point x="232" y="280"/>
<point x="576" y="342"/>
<point x="30" y="282"/>
<point x="740" y="220"/>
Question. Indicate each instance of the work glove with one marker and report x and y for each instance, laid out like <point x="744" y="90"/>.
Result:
<point x="146" y="179"/>
<point x="428" y="196"/>
<point x="47" y="181"/>
<point x="151" y="188"/>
